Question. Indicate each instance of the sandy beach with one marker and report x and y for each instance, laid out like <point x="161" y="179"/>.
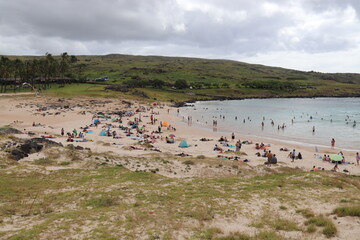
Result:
<point x="51" y="115"/>
<point x="246" y="192"/>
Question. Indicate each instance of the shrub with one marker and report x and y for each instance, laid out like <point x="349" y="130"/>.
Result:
<point x="235" y="236"/>
<point x="329" y="230"/>
<point x="268" y="236"/>
<point x="306" y="213"/>
<point x="348" y="211"/>
<point x="181" y="84"/>
<point x="101" y="202"/>
<point x="285" y="225"/>
<point x="43" y="161"/>
<point x="65" y="163"/>
<point x="318" y="221"/>
<point x="188" y="162"/>
<point x="311" y="228"/>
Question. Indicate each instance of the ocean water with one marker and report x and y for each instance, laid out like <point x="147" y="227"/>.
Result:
<point x="337" y="118"/>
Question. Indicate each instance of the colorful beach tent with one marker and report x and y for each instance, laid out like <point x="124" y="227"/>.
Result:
<point x="183" y="144"/>
<point x="164" y="124"/>
<point x="102" y="133"/>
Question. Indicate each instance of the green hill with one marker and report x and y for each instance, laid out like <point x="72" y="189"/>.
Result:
<point x="153" y="77"/>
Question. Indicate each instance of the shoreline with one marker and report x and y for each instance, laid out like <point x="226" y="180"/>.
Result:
<point x="17" y="110"/>
<point x="278" y="140"/>
<point x="184" y="103"/>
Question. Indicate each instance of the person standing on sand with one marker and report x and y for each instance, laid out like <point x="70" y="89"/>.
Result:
<point x="233" y="136"/>
<point x="293" y="155"/>
<point x="238" y="146"/>
<point x="332" y="143"/>
<point x="357" y="158"/>
<point x="62" y="131"/>
<point x="269" y="156"/>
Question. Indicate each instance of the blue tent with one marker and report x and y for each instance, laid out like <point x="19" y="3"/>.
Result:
<point x="102" y="133"/>
<point x="183" y="144"/>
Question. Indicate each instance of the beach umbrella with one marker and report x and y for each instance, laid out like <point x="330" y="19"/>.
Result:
<point x="172" y="135"/>
<point x="336" y="157"/>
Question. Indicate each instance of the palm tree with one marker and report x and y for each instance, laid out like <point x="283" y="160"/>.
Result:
<point x="5" y="72"/>
<point x="17" y="68"/>
<point x="64" y="66"/>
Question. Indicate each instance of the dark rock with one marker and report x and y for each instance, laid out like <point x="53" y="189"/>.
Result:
<point x="17" y="154"/>
<point x="46" y="141"/>
<point x="30" y="146"/>
<point x="9" y="131"/>
<point x="79" y="148"/>
<point x="71" y="146"/>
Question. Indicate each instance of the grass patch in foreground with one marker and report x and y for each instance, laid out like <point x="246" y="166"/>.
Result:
<point x="213" y="234"/>
<point x="348" y="211"/>
<point x="284" y="225"/>
<point x="43" y="161"/>
<point x="101" y="202"/>
<point x="329" y="229"/>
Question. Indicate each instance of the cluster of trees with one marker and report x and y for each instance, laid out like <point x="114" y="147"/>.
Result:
<point x="138" y="82"/>
<point x="39" y="72"/>
<point x="271" y="85"/>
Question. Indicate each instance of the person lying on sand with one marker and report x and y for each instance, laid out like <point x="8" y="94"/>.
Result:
<point x="217" y="148"/>
<point x="205" y="139"/>
<point x="182" y="155"/>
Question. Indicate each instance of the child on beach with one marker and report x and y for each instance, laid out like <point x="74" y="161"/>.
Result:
<point x="332" y="143"/>
<point x="293" y="155"/>
<point x="357" y="158"/>
<point x="335" y="168"/>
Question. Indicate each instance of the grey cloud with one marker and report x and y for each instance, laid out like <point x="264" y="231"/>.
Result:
<point x="88" y="20"/>
<point x="214" y="28"/>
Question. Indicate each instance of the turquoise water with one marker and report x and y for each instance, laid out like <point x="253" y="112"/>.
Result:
<point x="331" y="118"/>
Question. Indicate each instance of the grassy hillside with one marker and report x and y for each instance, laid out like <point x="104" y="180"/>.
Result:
<point x="212" y="79"/>
<point x="91" y="196"/>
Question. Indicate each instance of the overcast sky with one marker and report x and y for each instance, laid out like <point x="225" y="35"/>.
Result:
<point x="319" y="35"/>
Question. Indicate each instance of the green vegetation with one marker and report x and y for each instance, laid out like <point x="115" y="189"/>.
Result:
<point x="113" y="202"/>
<point x="37" y="72"/>
<point x="172" y="78"/>
<point x="329" y="229"/>
<point x="43" y="161"/>
<point x="348" y="211"/>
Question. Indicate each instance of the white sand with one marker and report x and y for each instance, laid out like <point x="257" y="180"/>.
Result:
<point x="21" y="112"/>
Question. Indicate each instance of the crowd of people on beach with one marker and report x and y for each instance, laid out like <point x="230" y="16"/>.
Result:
<point x="134" y="125"/>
